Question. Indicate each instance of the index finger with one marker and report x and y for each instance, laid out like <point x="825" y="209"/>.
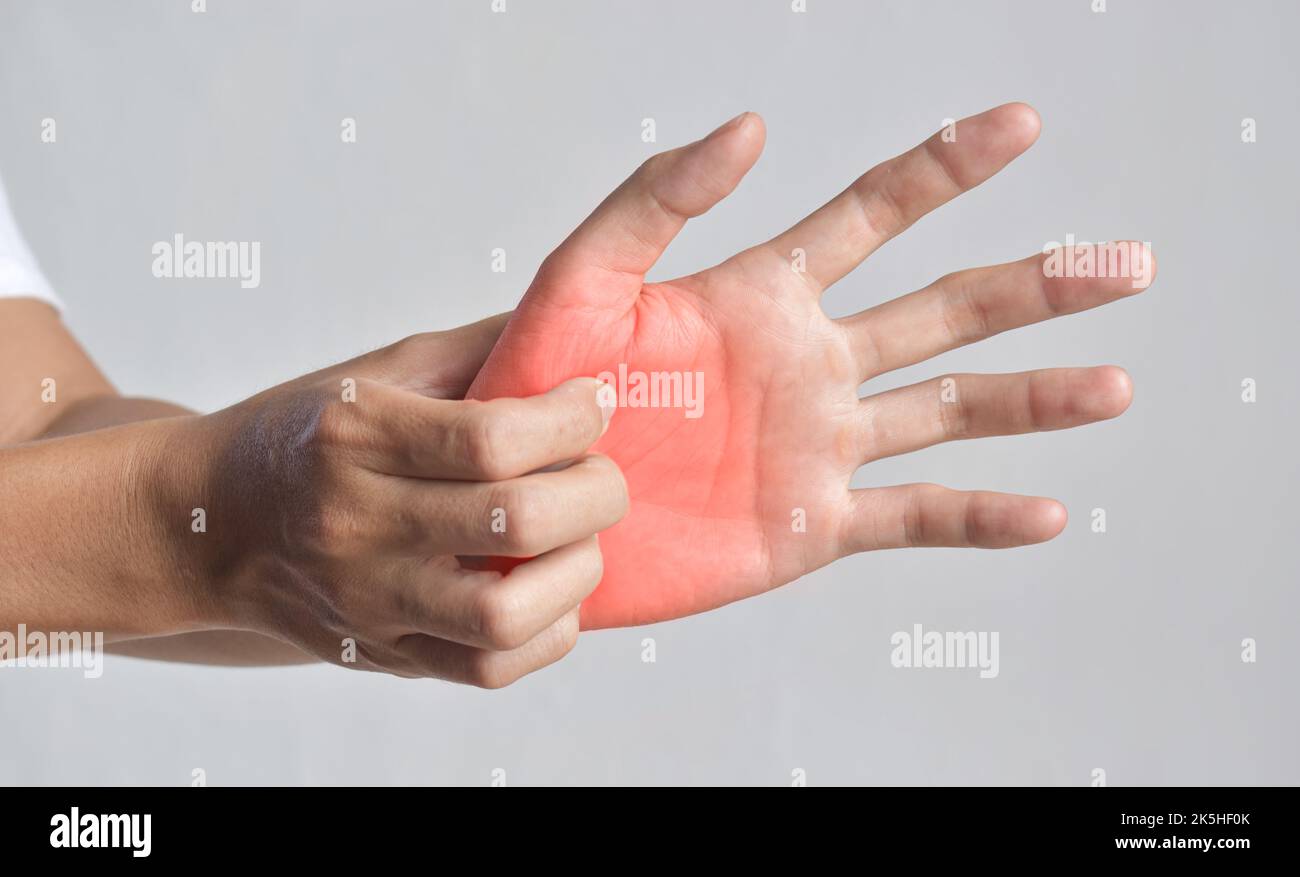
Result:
<point x="417" y="437"/>
<point x="887" y="199"/>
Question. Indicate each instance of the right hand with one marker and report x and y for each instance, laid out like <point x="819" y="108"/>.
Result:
<point x="333" y="522"/>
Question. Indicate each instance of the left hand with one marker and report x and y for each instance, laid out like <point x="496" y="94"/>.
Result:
<point x="715" y="499"/>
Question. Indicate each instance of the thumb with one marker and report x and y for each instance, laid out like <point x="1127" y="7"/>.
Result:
<point x="631" y="228"/>
<point x="438" y="364"/>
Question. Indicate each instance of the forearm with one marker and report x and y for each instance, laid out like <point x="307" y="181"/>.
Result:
<point x="91" y="535"/>
<point x="51" y="387"/>
<point x="80" y="565"/>
<point x="98" y="412"/>
<point x="235" y="648"/>
<point x="226" y="648"/>
<point x="46" y="372"/>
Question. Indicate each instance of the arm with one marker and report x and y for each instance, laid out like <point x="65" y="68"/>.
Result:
<point x="52" y="388"/>
<point x="36" y="347"/>
<point x="46" y="373"/>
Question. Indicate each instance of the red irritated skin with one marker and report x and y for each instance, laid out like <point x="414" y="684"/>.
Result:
<point x="747" y="486"/>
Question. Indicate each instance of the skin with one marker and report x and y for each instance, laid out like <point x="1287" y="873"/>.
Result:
<point x="328" y="521"/>
<point x="368" y="521"/>
<point x="783" y="430"/>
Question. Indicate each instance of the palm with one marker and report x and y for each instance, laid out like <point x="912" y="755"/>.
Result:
<point x="753" y="492"/>
<point x="705" y="491"/>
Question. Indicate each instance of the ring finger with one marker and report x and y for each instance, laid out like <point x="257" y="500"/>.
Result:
<point x="973" y="406"/>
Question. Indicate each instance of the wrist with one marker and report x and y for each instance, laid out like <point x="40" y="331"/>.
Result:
<point x="181" y="487"/>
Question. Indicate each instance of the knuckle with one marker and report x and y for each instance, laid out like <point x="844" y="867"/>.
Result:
<point x="878" y="208"/>
<point x="496" y="621"/>
<point x="329" y="525"/>
<point x="912" y="521"/>
<point x="335" y="424"/>
<point x="605" y="486"/>
<point x="486" y="672"/>
<point x="954" y="421"/>
<point x="593" y="564"/>
<point x="525" y="519"/>
<point x="978" y="525"/>
<point x="290" y="471"/>
<point x="414" y="348"/>
<point x="964" y="312"/>
<point x="413" y="605"/>
<point x="568" y="634"/>
<point x="335" y="525"/>
<point x="616" y="485"/>
<point x="914" y="514"/>
<point x="485" y="443"/>
<point x="654" y="166"/>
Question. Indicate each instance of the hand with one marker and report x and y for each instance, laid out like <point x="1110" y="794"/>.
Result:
<point x="333" y="520"/>
<point x="716" y="500"/>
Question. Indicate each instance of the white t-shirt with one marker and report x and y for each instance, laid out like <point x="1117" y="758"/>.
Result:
<point x="20" y="276"/>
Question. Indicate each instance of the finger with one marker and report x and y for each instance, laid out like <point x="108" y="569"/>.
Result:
<point x="630" y="230"/>
<point x="519" y="517"/>
<point x="891" y="196"/>
<point x="401" y="433"/>
<point x="499" y="612"/>
<point x="927" y="515"/>
<point x="456" y="662"/>
<point x="973" y="406"/>
<point x="441" y="364"/>
<point x="438" y="364"/>
<point x="972" y="305"/>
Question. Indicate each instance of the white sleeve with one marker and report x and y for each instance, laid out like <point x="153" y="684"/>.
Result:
<point x="20" y="276"/>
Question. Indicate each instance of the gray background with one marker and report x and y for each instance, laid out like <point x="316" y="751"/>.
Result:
<point x="1118" y="650"/>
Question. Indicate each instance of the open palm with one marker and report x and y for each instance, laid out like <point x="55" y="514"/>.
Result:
<point x="747" y="486"/>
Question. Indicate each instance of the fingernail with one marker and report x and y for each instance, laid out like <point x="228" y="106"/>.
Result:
<point x="733" y="123"/>
<point x="607" y="399"/>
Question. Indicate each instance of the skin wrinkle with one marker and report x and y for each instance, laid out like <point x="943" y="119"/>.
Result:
<point x="956" y="304"/>
<point x="875" y="229"/>
<point x="935" y="151"/>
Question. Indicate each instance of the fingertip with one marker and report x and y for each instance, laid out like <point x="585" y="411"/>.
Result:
<point x="1116" y="390"/>
<point x="590" y="390"/>
<point x="1023" y="121"/>
<point x="622" y="497"/>
<point x="1052" y="519"/>
<point x="745" y="135"/>
<point x="607" y="403"/>
<point x="606" y="400"/>
<point x="983" y="144"/>
<point x="690" y="180"/>
<point x="750" y="125"/>
<point x="580" y="386"/>
<point x="1146" y="276"/>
